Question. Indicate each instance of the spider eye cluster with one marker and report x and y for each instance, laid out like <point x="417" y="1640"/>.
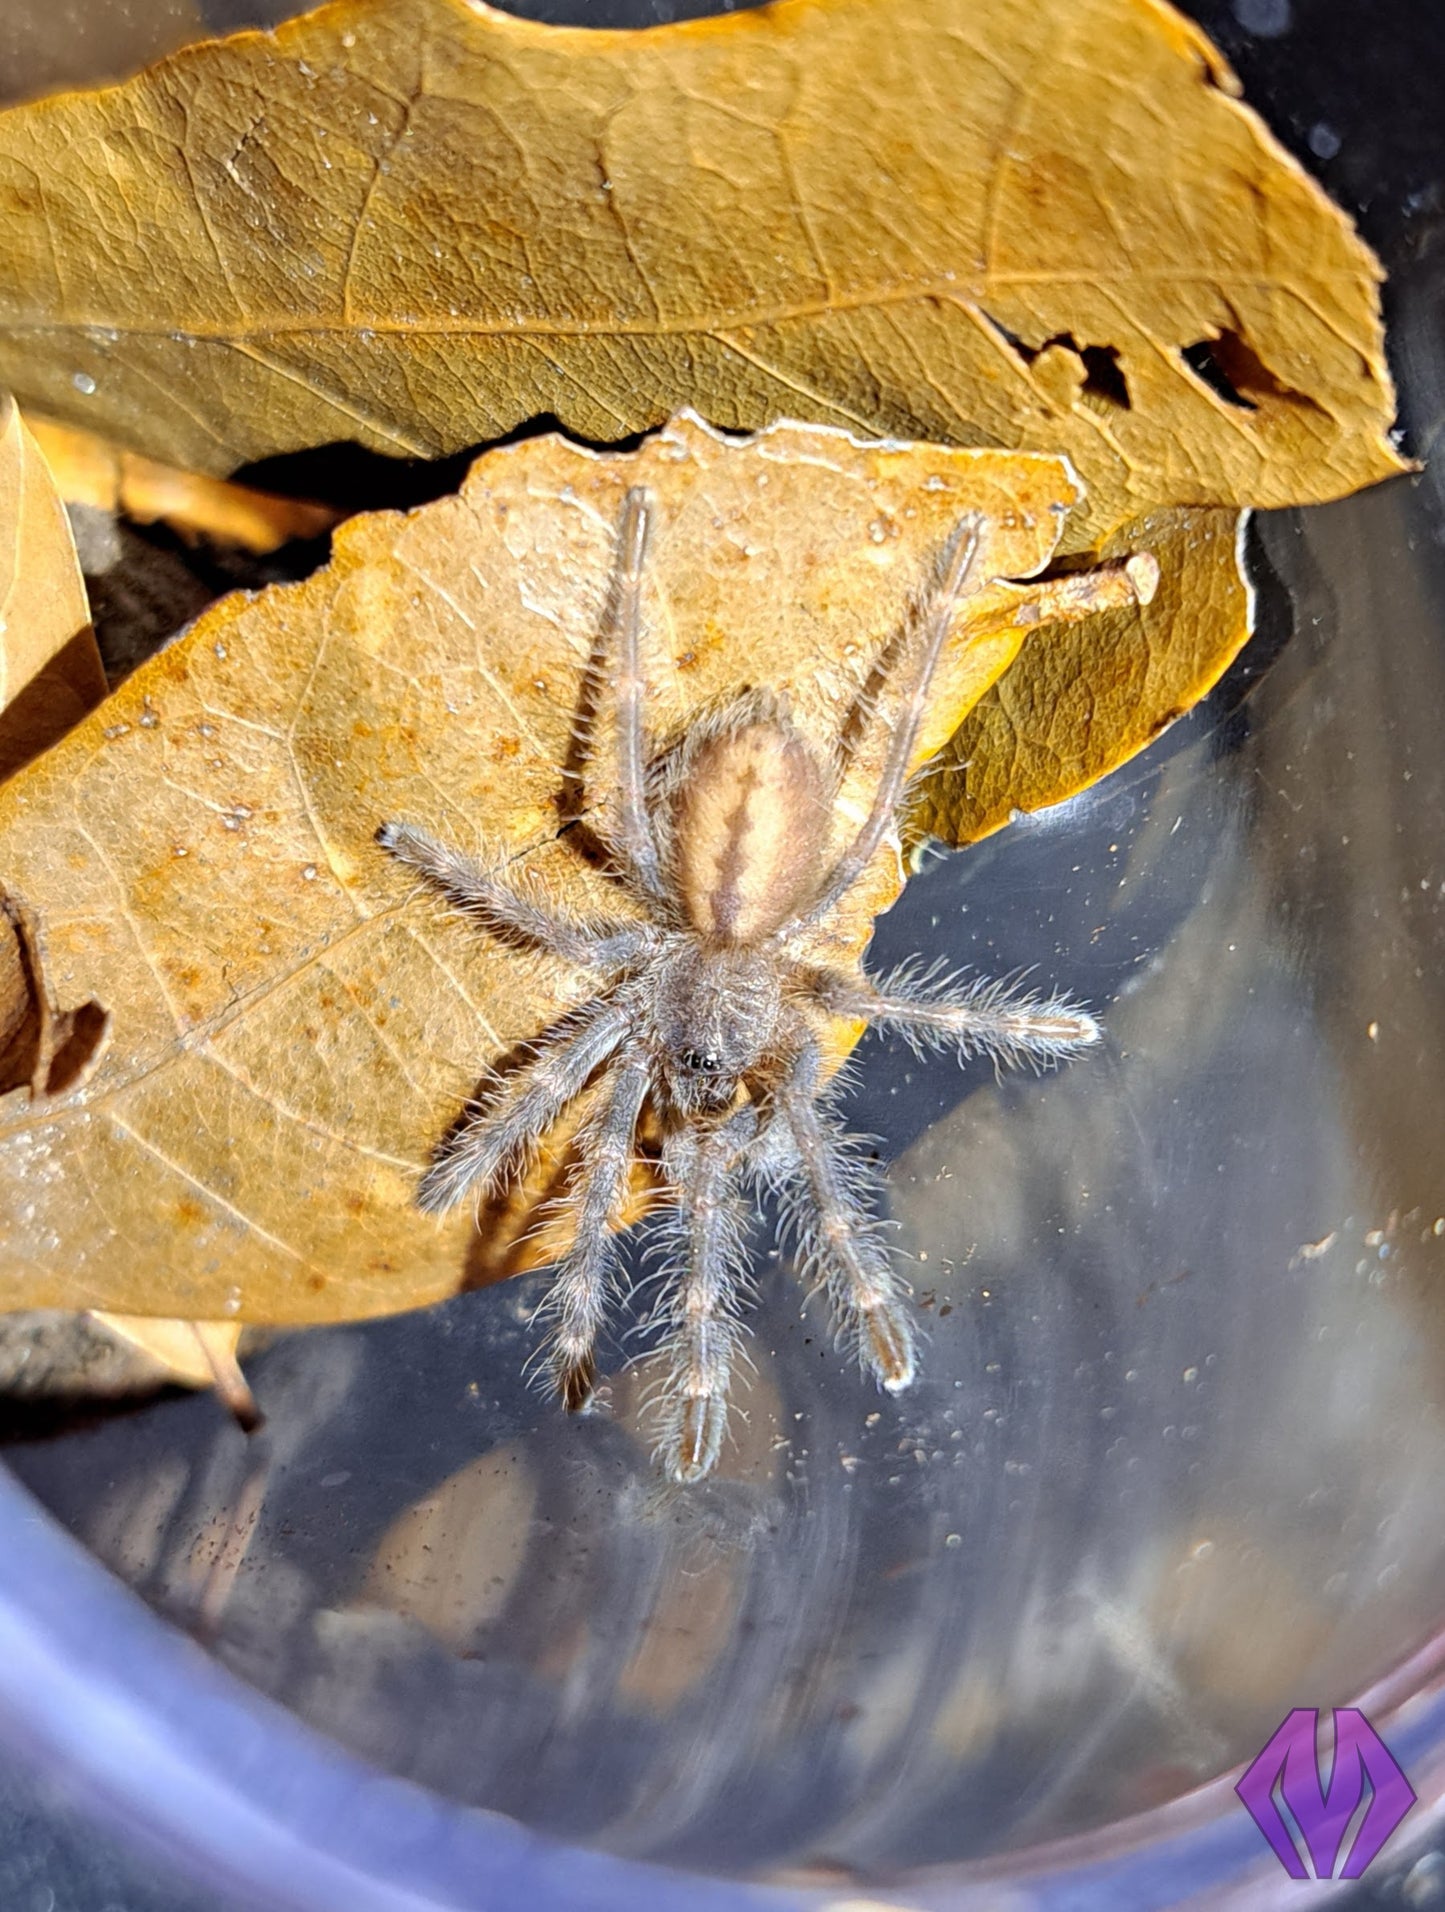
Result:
<point x="702" y="1062"/>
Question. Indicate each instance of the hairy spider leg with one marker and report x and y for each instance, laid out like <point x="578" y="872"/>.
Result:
<point x="957" y="575"/>
<point x="842" y="1247"/>
<point x="576" y="1300"/>
<point x="506" y="911"/>
<point x="703" y="1334"/>
<point x="974" y="1016"/>
<point x="496" y="1138"/>
<point x="634" y="837"/>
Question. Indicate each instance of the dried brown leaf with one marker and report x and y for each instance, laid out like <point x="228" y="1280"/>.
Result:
<point x="194" y="1354"/>
<point x="50" y="675"/>
<point x="415" y="223"/>
<point x="50" y="669"/>
<point x="296" y="1024"/>
<point x="90" y="470"/>
<point x="1079" y="700"/>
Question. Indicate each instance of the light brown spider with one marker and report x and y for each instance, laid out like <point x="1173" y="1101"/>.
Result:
<point x="711" y="1013"/>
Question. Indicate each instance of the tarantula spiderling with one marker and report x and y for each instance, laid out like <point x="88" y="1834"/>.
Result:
<point x="710" y="1011"/>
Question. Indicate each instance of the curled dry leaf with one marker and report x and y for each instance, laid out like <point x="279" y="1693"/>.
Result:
<point x="1082" y="699"/>
<point x="194" y="1354"/>
<point x="416" y="223"/>
<point x="90" y="470"/>
<point x="50" y="675"/>
<point x="50" y="669"/>
<point x="295" y="1023"/>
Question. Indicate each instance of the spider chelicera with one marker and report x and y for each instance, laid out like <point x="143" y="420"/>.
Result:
<point x="711" y="1011"/>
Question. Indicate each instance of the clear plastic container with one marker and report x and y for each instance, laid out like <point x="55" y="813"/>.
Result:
<point x="1173" y="1468"/>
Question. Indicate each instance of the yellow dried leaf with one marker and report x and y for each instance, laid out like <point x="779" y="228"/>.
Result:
<point x="90" y="470"/>
<point x="295" y="1022"/>
<point x="1078" y="701"/>
<point x="50" y="669"/>
<point x="194" y="1354"/>
<point x="415" y="223"/>
<point x="50" y="675"/>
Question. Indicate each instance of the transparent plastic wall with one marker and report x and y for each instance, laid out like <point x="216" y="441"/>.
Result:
<point x="1175" y="1462"/>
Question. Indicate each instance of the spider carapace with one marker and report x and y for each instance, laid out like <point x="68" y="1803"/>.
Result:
<point x="711" y="1010"/>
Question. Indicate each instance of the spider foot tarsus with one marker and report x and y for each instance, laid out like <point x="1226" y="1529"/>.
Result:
<point x="843" y="1252"/>
<point x="695" y="1360"/>
<point x="586" y="1276"/>
<point x="888" y="1345"/>
<point x="694" y="1427"/>
<point x="577" y="1381"/>
<point x="571" y="1315"/>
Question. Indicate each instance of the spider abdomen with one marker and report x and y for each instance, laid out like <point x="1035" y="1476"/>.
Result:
<point x="750" y="830"/>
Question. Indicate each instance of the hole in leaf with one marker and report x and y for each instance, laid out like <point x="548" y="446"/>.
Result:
<point x="82" y="1036"/>
<point x="1210" y="359"/>
<point x="1027" y="353"/>
<point x="1252" y="378"/>
<point x="1104" y="380"/>
<point x="1104" y="376"/>
<point x="42" y="1048"/>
